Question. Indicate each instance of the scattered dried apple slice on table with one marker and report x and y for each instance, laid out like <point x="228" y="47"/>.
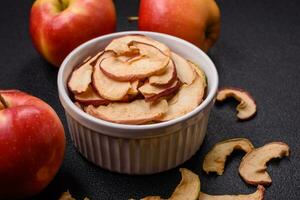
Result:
<point x="106" y="87"/>
<point x="121" y="45"/>
<point x="254" y="164"/>
<point x="188" y="188"/>
<point x="81" y="77"/>
<point x="153" y="62"/>
<point x="136" y="112"/>
<point x="185" y="71"/>
<point x="215" y="159"/>
<point x="167" y="78"/>
<point x="152" y="93"/>
<point x="258" y="195"/>
<point x="247" y="106"/>
<point x="187" y="99"/>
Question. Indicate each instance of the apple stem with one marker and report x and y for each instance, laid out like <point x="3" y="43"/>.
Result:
<point x="133" y="18"/>
<point x="3" y="102"/>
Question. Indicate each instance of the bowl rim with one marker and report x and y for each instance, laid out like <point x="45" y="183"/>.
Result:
<point x="63" y="93"/>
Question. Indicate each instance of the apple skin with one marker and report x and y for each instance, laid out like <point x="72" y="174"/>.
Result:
<point x="197" y="21"/>
<point x="32" y="145"/>
<point x="56" y="31"/>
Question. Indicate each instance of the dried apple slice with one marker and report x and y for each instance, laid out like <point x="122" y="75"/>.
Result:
<point x="258" y="195"/>
<point x="247" y="106"/>
<point x="66" y="196"/>
<point x="153" y="62"/>
<point x="152" y="93"/>
<point x="81" y="77"/>
<point x="167" y="78"/>
<point x="185" y="72"/>
<point x="186" y="100"/>
<point x="121" y="45"/>
<point x="136" y="112"/>
<point x="90" y="97"/>
<point x="107" y="87"/>
<point x="254" y="164"/>
<point x="188" y="188"/>
<point x="215" y="159"/>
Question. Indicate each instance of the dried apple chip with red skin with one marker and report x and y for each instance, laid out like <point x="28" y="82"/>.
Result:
<point x="136" y="112"/>
<point x="80" y="78"/>
<point x="187" y="99"/>
<point x="106" y="87"/>
<point x="185" y="71"/>
<point x="152" y="93"/>
<point x="153" y="62"/>
<point x="215" y="159"/>
<point x="254" y="164"/>
<point x="121" y="45"/>
<point x="167" y="78"/>
<point x="247" y="106"/>
<point x="90" y="97"/>
<point x="257" y="195"/>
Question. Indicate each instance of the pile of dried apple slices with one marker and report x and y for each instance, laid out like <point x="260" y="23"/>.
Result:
<point x="137" y="80"/>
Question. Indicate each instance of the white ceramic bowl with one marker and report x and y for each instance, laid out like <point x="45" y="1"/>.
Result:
<point x="138" y="149"/>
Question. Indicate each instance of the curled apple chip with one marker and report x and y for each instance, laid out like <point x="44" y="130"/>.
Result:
<point x="258" y="195"/>
<point x="167" y="78"/>
<point x="106" y="87"/>
<point x="247" y="106"/>
<point x="185" y="72"/>
<point x="254" y="164"/>
<point x="90" y="97"/>
<point x="121" y="45"/>
<point x="188" y="188"/>
<point x="136" y="112"/>
<point x="152" y="93"/>
<point x="66" y="196"/>
<point x="81" y="77"/>
<point x="215" y="159"/>
<point x="187" y="99"/>
<point x="153" y="62"/>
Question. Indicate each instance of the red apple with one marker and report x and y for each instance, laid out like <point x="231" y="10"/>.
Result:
<point x="197" y="21"/>
<point x="32" y="144"/>
<point x="58" y="26"/>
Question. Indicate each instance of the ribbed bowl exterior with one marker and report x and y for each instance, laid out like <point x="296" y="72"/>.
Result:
<point x="140" y="156"/>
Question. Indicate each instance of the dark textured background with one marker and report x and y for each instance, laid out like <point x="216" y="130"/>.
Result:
<point x="259" y="50"/>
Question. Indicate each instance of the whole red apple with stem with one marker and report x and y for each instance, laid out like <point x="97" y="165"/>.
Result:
<point x="32" y="144"/>
<point x="58" y="26"/>
<point x="197" y="21"/>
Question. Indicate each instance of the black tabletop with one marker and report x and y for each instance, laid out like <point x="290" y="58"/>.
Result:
<point x="259" y="50"/>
